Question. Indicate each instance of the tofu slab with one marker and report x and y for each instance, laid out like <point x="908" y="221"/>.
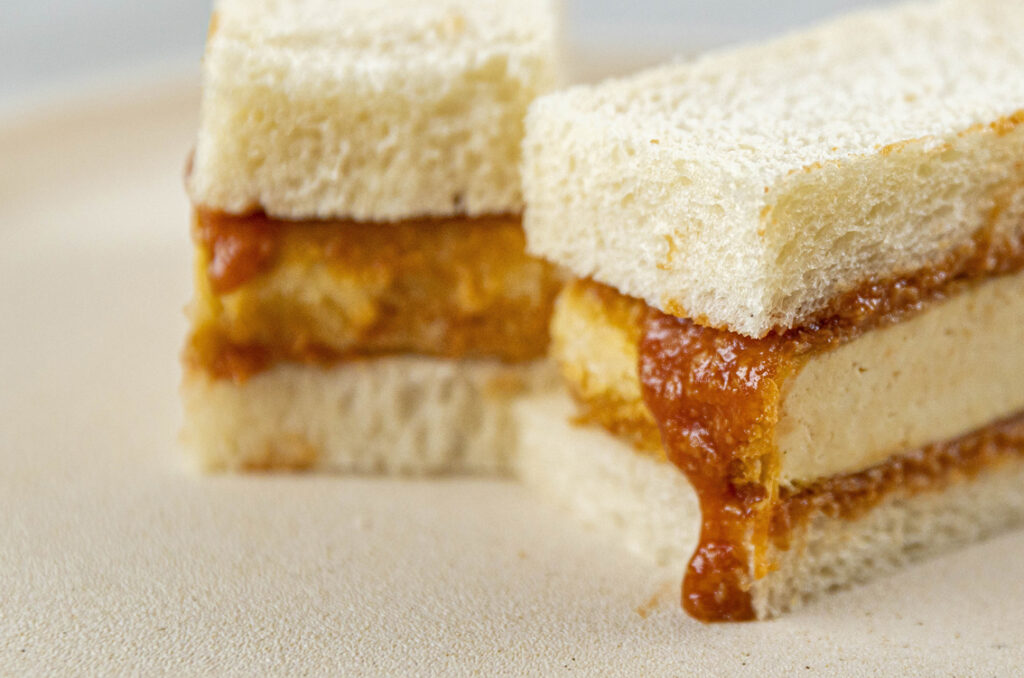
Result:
<point x="946" y="371"/>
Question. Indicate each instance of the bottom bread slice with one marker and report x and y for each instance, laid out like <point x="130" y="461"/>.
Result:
<point x="396" y="414"/>
<point x="604" y="482"/>
<point x="653" y="510"/>
<point x="829" y="553"/>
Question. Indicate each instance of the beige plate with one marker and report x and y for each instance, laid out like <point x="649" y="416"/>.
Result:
<point x="115" y="558"/>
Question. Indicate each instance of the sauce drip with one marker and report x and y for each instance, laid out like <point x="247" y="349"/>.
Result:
<point x="715" y="396"/>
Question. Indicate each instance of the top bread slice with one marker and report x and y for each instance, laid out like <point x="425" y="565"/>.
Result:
<point x="376" y="110"/>
<point x="750" y="187"/>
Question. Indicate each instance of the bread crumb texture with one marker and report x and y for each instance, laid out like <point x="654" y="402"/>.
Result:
<point x="402" y="414"/>
<point x="749" y="187"/>
<point x="367" y="109"/>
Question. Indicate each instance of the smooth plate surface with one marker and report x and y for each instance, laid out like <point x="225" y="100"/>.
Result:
<point x="115" y="558"/>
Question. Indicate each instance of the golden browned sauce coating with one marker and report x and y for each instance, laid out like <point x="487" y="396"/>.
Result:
<point x="448" y="288"/>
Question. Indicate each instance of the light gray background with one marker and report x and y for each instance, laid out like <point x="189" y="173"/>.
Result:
<point x="45" y="44"/>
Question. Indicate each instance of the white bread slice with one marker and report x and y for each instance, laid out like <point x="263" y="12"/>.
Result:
<point x="750" y="187"/>
<point x="374" y="110"/>
<point x="603" y="482"/>
<point x="651" y="508"/>
<point x="403" y="414"/>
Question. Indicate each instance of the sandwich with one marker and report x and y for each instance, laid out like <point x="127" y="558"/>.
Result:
<point x="796" y="337"/>
<point x="363" y="299"/>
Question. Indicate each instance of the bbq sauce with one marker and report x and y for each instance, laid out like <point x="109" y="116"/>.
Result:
<point x="715" y="396"/>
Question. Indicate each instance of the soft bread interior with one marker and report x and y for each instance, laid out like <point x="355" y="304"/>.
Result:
<point x="748" y="188"/>
<point x="952" y="368"/>
<point x="646" y="503"/>
<point x="402" y="414"/>
<point x="369" y="109"/>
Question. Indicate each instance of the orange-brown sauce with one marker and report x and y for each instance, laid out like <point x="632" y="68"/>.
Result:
<point x="240" y="248"/>
<point x="455" y="288"/>
<point x="715" y="395"/>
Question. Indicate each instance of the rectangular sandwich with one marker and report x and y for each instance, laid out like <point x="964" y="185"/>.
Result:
<point x="363" y="298"/>
<point x="801" y="287"/>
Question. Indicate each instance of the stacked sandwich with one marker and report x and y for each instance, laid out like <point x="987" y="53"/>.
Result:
<point x="800" y="288"/>
<point x="363" y="298"/>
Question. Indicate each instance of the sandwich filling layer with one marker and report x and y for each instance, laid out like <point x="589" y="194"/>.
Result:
<point x="949" y="369"/>
<point x="270" y="290"/>
<point x="753" y="421"/>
